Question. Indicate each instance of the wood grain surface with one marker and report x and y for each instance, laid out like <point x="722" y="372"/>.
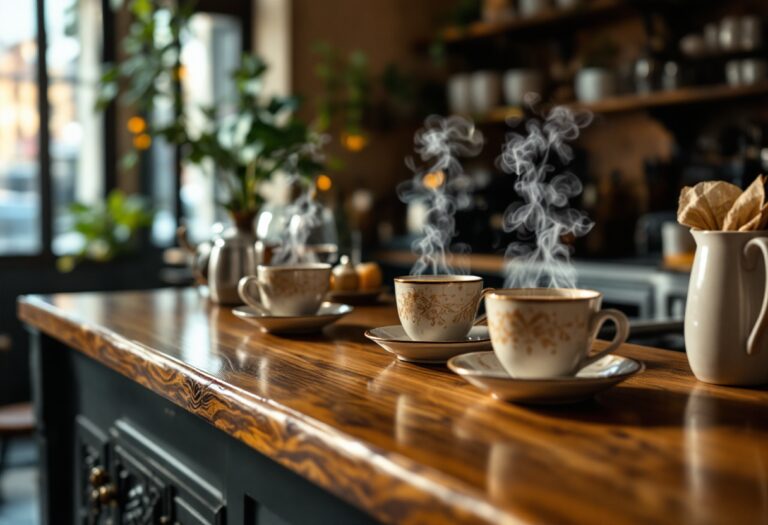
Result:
<point x="415" y="444"/>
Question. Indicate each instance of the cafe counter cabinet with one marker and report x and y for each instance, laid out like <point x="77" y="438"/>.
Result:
<point x="158" y="407"/>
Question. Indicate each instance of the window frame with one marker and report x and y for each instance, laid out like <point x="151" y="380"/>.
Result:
<point x="45" y="256"/>
<point x="244" y="11"/>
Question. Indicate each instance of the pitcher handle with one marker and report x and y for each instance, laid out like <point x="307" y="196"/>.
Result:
<point x="761" y="244"/>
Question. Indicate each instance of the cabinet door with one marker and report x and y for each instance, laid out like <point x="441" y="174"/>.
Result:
<point x="156" y="487"/>
<point x="92" y="481"/>
<point x="140" y="494"/>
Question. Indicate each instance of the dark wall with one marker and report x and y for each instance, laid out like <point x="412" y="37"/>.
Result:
<point x="41" y="277"/>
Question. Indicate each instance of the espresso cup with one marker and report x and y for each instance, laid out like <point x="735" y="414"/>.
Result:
<point x="438" y="307"/>
<point x="289" y="290"/>
<point x="548" y="332"/>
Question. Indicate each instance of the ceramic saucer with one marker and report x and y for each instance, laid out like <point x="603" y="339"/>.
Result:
<point x="294" y="324"/>
<point x="483" y="370"/>
<point x="356" y="297"/>
<point x="393" y="339"/>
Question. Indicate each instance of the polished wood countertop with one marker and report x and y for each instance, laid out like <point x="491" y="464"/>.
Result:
<point x="415" y="444"/>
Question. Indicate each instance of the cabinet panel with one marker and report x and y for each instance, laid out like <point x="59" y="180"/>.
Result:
<point x="91" y="473"/>
<point x="154" y="484"/>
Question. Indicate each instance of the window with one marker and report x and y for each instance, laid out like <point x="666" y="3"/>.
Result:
<point x="54" y="149"/>
<point x="210" y="53"/>
<point x="73" y="61"/>
<point x="20" y="225"/>
<point x="51" y="149"/>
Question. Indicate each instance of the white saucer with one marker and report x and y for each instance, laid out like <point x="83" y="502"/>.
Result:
<point x="393" y="339"/>
<point x="298" y="324"/>
<point x="483" y="370"/>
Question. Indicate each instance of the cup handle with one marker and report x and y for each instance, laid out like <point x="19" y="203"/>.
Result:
<point x="480" y="318"/>
<point x="243" y="287"/>
<point x="761" y="244"/>
<point x="622" y="332"/>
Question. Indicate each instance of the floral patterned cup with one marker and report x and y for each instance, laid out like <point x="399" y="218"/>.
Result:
<point x="289" y="290"/>
<point x="548" y="332"/>
<point x="438" y="307"/>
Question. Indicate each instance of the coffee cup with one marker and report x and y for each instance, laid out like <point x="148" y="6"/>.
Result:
<point x="548" y="332"/>
<point x="438" y="307"/>
<point x="288" y="290"/>
<point x="519" y="82"/>
<point x="484" y="91"/>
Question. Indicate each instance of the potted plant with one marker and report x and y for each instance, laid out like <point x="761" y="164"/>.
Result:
<point x="259" y="136"/>
<point x="108" y="229"/>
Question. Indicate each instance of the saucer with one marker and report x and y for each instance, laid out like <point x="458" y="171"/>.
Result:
<point x="356" y="297"/>
<point x="293" y="324"/>
<point x="393" y="339"/>
<point x="483" y="370"/>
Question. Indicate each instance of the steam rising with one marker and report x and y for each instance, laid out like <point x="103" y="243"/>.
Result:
<point x="305" y="212"/>
<point x="305" y="216"/>
<point x="543" y="218"/>
<point x="440" y="182"/>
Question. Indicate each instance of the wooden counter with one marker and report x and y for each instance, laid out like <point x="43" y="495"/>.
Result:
<point x="413" y="444"/>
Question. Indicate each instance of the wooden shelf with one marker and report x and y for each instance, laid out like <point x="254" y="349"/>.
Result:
<point x="550" y="17"/>
<point x="626" y="103"/>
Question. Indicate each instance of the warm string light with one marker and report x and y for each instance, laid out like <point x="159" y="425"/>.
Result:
<point x="136" y="125"/>
<point x="323" y="183"/>
<point x="353" y="141"/>
<point x="142" y="141"/>
<point x="180" y="73"/>
<point x="433" y="180"/>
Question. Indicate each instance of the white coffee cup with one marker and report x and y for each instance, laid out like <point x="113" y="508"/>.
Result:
<point x="519" y="82"/>
<point x="548" y="332"/>
<point x="288" y="290"/>
<point x="594" y="83"/>
<point x="438" y="307"/>
<point x="753" y="71"/>
<point x="485" y="91"/>
<point x="532" y="7"/>
<point x="458" y="91"/>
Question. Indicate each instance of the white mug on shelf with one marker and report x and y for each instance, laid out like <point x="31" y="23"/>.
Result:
<point x="528" y="8"/>
<point x="594" y="83"/>
<point x="459" y="101"/>
<point x="519" y="82"/>
<point x="751" y="32"/>
<point x="753" y="71"/>
<point x="485" y="91"/>
<point x="733" y="73"/>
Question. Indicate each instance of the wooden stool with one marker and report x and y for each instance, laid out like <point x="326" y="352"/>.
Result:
<point x="15" y="420"/>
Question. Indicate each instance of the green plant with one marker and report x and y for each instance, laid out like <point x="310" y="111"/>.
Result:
<point x="346" y="90"/>
<point x="151" y="68"/>
<point x="108" y="229"/>
<point x="260" y="136"/>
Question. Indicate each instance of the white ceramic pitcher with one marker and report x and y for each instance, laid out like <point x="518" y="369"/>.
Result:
<point x="725" y="315"/>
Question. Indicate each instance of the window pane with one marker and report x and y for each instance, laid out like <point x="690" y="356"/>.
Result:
<point x="210" y="53"/>
<point x="77" y="144"/>
<point x="20" y="231"/>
